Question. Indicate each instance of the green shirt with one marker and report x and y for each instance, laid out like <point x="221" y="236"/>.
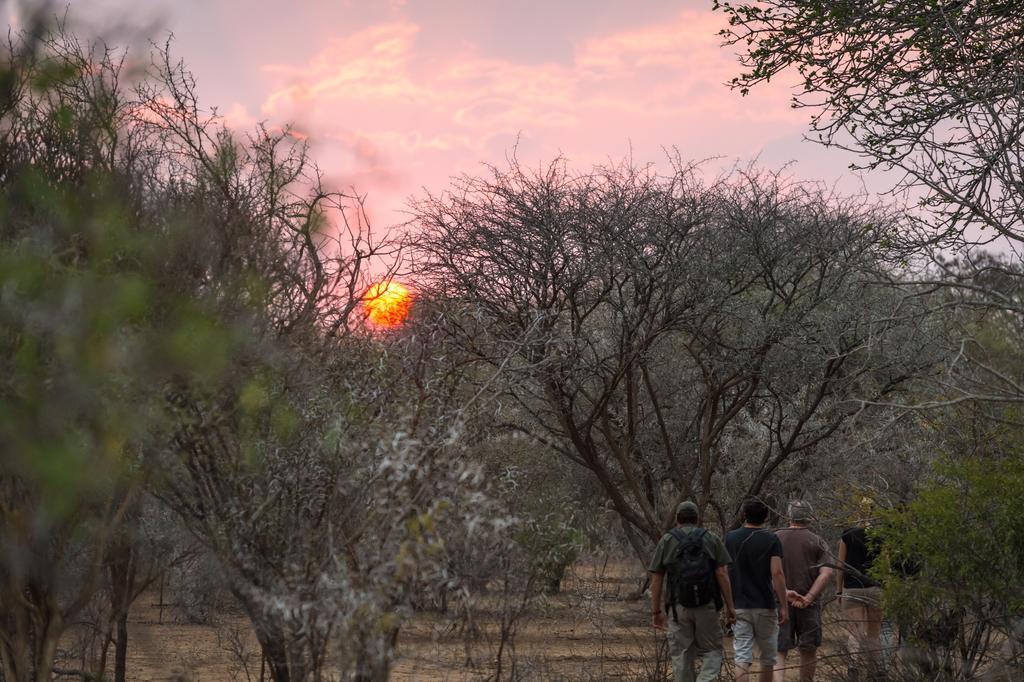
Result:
<point x="668" y="545"/>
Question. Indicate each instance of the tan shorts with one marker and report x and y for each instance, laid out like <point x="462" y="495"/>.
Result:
<point x="862" y="597"/>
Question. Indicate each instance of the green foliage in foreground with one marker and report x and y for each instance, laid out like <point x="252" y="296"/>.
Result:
<point x="953" y="560"/>
<point x="180" y="335"/>
<point x="89" y="338"/>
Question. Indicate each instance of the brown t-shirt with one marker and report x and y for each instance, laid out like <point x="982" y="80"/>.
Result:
<point x="802" y="549"/>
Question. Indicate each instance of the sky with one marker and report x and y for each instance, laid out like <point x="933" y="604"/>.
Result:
<point x="398" y="96"/>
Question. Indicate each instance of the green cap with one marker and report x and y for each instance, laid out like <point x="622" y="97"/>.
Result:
<point x="687" y="506"/>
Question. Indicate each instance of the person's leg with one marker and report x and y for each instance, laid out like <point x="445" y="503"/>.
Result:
<point x="767" y="641"/>
<point x="787" y="640"/>
<point x="808" y="662"/>
<point x="780" y="667"/>
<point x="855" y="616"/>
<point x="873" y="635"/>
<point x="708" y="642"/>
<point x="689" y="659"/>
<point x="680" y="642"/>
<point x="743" y="643"/>
<point x="868" y="616"/>
<point x="808" y="638"/>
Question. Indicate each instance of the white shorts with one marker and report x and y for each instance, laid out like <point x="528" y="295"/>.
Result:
<point x="756" y="625"/>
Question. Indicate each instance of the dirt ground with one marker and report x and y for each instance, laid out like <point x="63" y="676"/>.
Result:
<point x="593" y="630"/>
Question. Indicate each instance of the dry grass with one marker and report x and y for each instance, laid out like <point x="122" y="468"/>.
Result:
<point x="593" y="630"/>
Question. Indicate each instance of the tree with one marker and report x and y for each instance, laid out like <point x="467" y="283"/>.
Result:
<point x="181" y="315"/>
<point x="318" y="423"/>
<point x="644" y="324"/>
<point x="79" y="347"/>
<point x="929" y="88"/>
<point x="539" y="261"/>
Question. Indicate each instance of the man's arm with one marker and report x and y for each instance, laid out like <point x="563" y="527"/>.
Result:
<point x="839" y="568"/>
<point x="725" y="587"/>
<point x="824" y="575"/>
<point x="657" y="612"/>
<point x="779" y="584"/>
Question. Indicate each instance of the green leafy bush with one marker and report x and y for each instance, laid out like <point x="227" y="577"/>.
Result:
<point x="953" y="563"/>
<point x="552" y="544"/>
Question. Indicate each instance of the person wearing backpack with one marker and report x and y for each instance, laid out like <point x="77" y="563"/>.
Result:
<point x="689" y="583"/>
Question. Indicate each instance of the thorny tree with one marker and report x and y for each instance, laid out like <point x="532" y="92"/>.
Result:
<point x="314" y="424"/>
<point x="644" y="321"/>
<point x="935" y="91"/>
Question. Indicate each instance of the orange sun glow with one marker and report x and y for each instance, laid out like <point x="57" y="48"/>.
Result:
<point x="387" y="303"/>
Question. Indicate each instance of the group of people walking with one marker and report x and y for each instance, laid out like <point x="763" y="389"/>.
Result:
<point x="771" y="585"/>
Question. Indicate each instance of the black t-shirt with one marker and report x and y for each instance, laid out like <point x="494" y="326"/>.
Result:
<point x="860" y="554"/>
<point x="752" y="550"/>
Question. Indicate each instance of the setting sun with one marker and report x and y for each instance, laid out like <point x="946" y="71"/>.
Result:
<point x="387" y="303"/>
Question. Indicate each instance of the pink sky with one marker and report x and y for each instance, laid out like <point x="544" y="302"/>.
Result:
<point x="398" y="95"/>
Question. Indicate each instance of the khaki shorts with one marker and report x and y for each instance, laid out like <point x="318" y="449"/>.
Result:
<point x="862" y="597"/>
<point x="756" y="625"/>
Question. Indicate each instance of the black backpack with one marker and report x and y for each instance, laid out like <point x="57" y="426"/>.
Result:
<point x="691" y="572"/>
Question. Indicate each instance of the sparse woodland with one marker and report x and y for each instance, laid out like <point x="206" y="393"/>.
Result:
<point x="193" y="405"/>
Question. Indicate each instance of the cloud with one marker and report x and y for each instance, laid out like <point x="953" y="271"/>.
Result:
<point x="363" y="163"/>
<point x="238" y="117"/>
<point x="366" y="66"/>
<point x="399" y="114"/>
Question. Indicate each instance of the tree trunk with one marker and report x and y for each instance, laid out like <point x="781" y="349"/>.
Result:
<point x="101" y="669"/>
<point x="636" y="541"/>
<point x="160" y="612"/>
<point x="285" y="663"/>
<point x="122" y="571"/>
<point x="31" y="626"/>
<point x="47" y="651"/>
<point x="277" y="662"/>
<point x="374" y="666"/>
<point x="121" y="652"/>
